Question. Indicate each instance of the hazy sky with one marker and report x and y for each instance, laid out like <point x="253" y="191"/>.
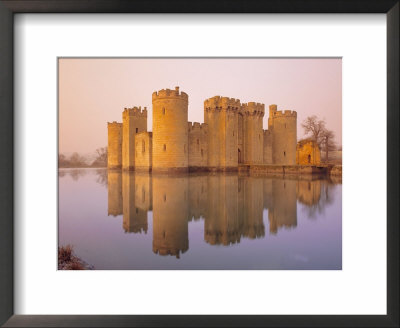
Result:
<point x="93" y="92"/>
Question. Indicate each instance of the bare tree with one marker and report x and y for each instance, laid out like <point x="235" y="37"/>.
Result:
<point x="101" y="159"/>
<point x="314" y="126"/>
<point x="328" y="142"/>
<point x="77" y="160"/>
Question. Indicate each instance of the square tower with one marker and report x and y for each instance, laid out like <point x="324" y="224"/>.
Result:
<point x="134" y="121"/>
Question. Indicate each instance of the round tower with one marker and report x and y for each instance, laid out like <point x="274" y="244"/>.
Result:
<point x="284" y="140"/>
<point x="170" y="130"/>
<point x="221" y="116"/>
<point x="114" y="158"/>
<point x="253" y="135"/>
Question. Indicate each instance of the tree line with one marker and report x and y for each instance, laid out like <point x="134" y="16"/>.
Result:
<point x="77" y="160"/>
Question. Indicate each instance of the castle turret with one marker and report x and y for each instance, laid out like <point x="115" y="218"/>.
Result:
<point x="283" y="125"/>
<point x="114" y="158"/>
<point x="253" y="136"/>
<point x="221" y="116"/>
<point x="170" y="130"/>
<point x="134" y="121"/>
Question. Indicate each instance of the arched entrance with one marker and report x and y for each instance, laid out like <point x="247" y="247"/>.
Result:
<point x="309" y="159"/>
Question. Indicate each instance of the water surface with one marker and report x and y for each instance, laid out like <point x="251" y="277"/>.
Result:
<point x="127" y="220"/>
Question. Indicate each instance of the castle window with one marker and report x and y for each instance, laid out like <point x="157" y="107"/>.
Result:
<point x="284" y="153"/>
<point x="137" y="210"/>
<point x="165" y="197"/>
<point x="143" y="146"/>
<point x="202" y="153"/>
<point x="165" y="147"/>
<point x="198" y="142"/>
<point x="233" y="133"/>
<point x="137" y="130"/>
<point x="163" y="110"/>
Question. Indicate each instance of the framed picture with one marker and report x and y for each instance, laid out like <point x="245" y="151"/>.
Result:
<point x="166" y="163"/>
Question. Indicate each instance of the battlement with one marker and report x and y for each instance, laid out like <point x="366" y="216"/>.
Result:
<point x="114" y="124"/>
<point x="168" y="93"/>
<point x="219" y="102"/>
<point x="273" y="107"/>
<point x="135" y="111"/>
<point x="286" y="113"/>
<point x="253" y="108"/>
<point x="196" y="126"/>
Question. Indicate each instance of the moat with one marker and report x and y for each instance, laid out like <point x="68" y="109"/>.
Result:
<point x="126" y="221"/>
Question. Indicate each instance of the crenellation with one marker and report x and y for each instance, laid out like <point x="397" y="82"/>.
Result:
<point x="232" y="134"/>
<point x="168" y="93"/>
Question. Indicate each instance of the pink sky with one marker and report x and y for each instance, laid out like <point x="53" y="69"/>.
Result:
<point x="93" y="92"/>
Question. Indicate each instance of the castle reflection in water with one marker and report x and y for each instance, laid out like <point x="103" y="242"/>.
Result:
<point x="231" y="206"/>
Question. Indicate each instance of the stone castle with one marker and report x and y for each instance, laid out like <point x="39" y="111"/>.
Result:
<point x="232" y="135"/>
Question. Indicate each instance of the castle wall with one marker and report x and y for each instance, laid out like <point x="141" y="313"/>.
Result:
<point x="134" y="219"/>
<point x="308" y="153"/>
<point x="221" y="116"/>
<point x="114" y="188"/>
<point x="134" y="121"/>
<point x="240" y="138"/>
<point x="253" y="138"/>
<point x="170" y="130"/>
<point x="198" y="147"/>
<point x="267" y="147"/>
<point x="170" y="215"/>
<point x="143" y="151"/>
<point x="284" y="141"/>
<point x="114" y="157"/>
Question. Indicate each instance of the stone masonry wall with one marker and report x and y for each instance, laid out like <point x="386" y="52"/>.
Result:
<point x="220" y="114"/>
<point x="134" y="121"/>
<point x="143" y="151"/>
<point x="114" y="158"/>
<point x="198" y="150"/>
<point x="170" y="130"/>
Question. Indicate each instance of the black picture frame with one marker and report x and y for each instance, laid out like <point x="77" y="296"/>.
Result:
<point x="10" y="7"/>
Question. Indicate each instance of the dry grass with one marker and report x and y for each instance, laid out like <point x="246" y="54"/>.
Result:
<point x="67" y="260"/>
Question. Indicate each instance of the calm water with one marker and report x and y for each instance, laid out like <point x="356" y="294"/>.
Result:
<point x="123" y="221"/>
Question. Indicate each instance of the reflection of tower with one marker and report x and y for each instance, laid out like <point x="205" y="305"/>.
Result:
<point x="114" y="192"/>
<point x="309" y="192"/>
<point x="170" y="215"/>
<point x="197" y="196"/>
<point x="134" y="121"/>
<point x="114" y="158"/>
<point x="253" y="225"/>
<point x="283" y="212"/>
<point x="170" y="130"/>
<point x="221" y="115"/>
<point x="134" y="218"/>
<point x="253" y="135"/>
<point x="143" y="191"/>
<point x="222" y="224"/>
